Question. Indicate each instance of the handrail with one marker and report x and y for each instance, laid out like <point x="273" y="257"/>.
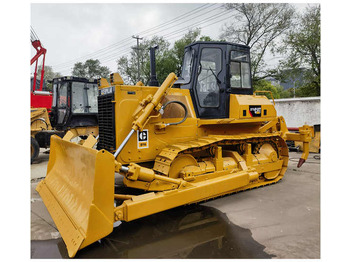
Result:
<point x="265" y="91"/>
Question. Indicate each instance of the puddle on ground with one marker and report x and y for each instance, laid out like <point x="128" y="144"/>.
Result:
<point x="192" y="231"/>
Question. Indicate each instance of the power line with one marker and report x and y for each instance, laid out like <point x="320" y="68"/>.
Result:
<point x="182" y="16"/>
<point x="128" y="39"/>
<point x="205" y="26"/>
<point x="102" y="60"/>
<point x="114" y="56"/>
<point x="110" y="57"/>
<point x="190" y="19"/>
<point x="70" y="63"/>
<point x="125" y="50"/>
<point x="92" y="54"/>
<point x="198" y="23"/>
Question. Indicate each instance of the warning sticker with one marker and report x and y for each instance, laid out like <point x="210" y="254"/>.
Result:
<point x="142" y="139"/>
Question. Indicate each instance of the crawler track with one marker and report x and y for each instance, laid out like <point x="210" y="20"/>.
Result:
<point x="168" y="154"/>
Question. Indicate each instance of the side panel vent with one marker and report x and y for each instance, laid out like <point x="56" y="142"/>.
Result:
<point x="106" y="122"/>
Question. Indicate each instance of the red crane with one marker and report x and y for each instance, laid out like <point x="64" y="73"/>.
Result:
<point x="39" y="97"/>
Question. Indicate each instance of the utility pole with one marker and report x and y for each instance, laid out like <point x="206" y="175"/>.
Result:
<point x="138" y="56"/>
<point x="294" y="87"/>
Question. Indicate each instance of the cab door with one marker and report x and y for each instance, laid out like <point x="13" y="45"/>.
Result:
<point x="62" y="103"/>
<point x="209" y="84"/>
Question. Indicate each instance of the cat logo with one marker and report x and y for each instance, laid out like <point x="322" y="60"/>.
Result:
<point x="255" y="111"/>
<point x="142" y="139"/>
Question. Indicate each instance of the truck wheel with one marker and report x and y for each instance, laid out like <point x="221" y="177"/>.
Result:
<point x="34" y="149"/>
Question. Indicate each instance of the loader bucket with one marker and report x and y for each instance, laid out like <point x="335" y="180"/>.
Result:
<point x="78" y="192"/>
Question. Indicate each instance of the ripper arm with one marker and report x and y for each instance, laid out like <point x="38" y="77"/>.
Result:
<point x="305" y="134"/>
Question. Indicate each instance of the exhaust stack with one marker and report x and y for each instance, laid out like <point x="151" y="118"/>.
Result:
<point x="153" y="81"/>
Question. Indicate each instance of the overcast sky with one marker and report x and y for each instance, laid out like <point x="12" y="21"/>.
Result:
<point x="76" y="32"/>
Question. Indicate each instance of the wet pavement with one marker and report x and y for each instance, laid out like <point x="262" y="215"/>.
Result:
<point x="193" y="231"/>
<point x="277" y="221"/>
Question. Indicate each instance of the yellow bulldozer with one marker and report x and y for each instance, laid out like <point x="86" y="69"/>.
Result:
<point x="73" y="113"/>
<point x="200" y="135"/>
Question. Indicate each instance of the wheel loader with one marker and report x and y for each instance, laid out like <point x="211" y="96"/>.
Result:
<point x="200" y="135"/>
<point x="73" y="112"/>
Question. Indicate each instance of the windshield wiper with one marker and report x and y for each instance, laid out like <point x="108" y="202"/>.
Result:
<point x="217" y="79"/>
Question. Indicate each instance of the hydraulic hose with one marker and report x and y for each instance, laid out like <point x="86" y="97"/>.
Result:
<point x="181" y="104"/>
<point x="147" y="110"/>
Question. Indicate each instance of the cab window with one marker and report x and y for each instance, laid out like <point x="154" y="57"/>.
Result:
<point x="207" y="86"/>
<point x="84" y="97"/>
<point x="54" y="95"/>
<point x="62" y="99"/>
<point x="92" y="93"/>
<point x="187" y="66"/>
<point x="239" y="70"/>
<point x="78" y="103"/>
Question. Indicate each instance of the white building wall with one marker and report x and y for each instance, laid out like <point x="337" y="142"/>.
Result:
<point x="300" y="111"/>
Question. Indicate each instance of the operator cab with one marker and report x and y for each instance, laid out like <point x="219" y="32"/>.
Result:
<point x="74" y="103"/>
<point x="212" y="71"/>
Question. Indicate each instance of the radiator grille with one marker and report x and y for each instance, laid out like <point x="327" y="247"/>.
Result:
<point x="106" y="122"/>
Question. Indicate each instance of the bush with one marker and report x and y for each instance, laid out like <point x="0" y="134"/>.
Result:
<point x="264" y="85"/>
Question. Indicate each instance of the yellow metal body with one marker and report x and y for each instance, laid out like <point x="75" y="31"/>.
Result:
<point x="196" y="160"/>
<point x="315" y="143"/>
<point x="39" y="120"/>
<point x="80" y="131"/>
<point x="87" y="201"/>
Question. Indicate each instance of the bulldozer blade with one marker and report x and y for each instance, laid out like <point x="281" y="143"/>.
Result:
<point x="78" y="192"/>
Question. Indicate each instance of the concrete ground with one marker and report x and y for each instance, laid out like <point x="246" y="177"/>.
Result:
<point x="38" y="168"/>
<point x="284" y="218"/>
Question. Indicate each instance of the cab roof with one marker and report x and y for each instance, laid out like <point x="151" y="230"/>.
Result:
<point x="75" y="79"/>
<point x="217" y="43"/>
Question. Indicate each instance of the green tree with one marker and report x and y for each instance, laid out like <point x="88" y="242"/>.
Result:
<point x="303" y="50"/>
<point x="79" y="70"/>
<point x="286" y="93"/>
<point x="128" y="67"/>
<point x="167" y="59"/>
<point x="264" y="85"/>
<point x="90" y="69"/>
<point x="258" y="25"/>
<point x="49" y="74"/>
<point x="179" y="45"/>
